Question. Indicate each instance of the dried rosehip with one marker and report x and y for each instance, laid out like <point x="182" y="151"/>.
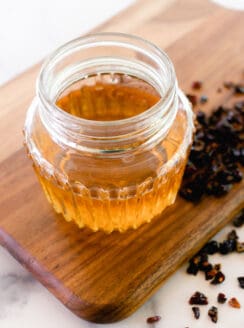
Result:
<point x="228" y="85"/>
<point x="236" y="176"/>
<point x="221" y="298"/>
<point x="239" y="106"/>
<point x="198" y="299"/>
<point x="239" y="247"/>
<point x="153" y="319"/>
<point x="210" y="274"/>
<point x="192" y="99"/>
<point x="239" y="219"/>
<point x="197" y="259"/>
<point x="203" y="99"/>
<point x="218" y="278"/>
<point x="224" y="248"/>
<point x="227" y="246"/>
<point x="192" y="269"/>
<point x="196" y="312"/>
<point x="211" y="247"/>
<point x="203" y="257"/>
<point x="196" y="85"/>
<point x="217" y="266"/>
<point x="232" y="235"/>
<point x="241" y="281"/>
<point x="219" y="112"/>
<point x="201" y="118"/>
<point x="190" y="193"/>
<point x="213" y="314"/>
<point x="239" y="89"/>
<point x="233" y="302"/>
<point x="190" y="170"/>
<point x="221" y="189"/>
<point x="205" y="266"/>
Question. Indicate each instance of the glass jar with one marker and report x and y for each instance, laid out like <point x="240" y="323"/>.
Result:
<point x="109" y="175"/>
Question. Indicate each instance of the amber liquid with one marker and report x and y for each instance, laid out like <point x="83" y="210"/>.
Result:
<point x="112" y="194"/>
<point x="109" y="102"/>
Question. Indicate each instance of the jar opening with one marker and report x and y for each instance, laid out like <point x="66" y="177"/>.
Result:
<point x="108" y="97"/>
<point x="96" y="55"/>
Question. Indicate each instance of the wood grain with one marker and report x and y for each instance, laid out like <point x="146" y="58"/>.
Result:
<point x="104" y="278"/>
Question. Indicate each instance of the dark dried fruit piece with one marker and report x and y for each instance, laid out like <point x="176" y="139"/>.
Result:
<point x="211" y="274"/>
<point x="189" y="193"/>
<point x="196" y="85"/>
<point x="213" y="314"/>
<point x="221" y="189"/>
<point x="197" y="259"/>
<point x="203" y="99"/>
<point x="198" y="262"/>
<point x="239" y="106"/>
<point x="201" y="117"/>
<point x="198" y="299"/>
<point x="205" y="266"/>
<point x="190" y="170"/>
<point x="192" y="269"/>
<point x="232" y="235"/>
<point x="221" y="298"/>
<point x="233" y="302"/>
<point x="153" y="319"/>
<point x="196" y="312"/>
<point x="218" y="278"/>
<point x="217" y="266"/>
<point x="228" y="85"/>
<point x="203" y="257"/>
<point x="238" y="221"/>
<point x="192" y="99"/>
<point x="223" y="248"/>
<point x="241" y="281"/>
<point x="239" y="89"/>
<point x="211" y="247"/>
<point x="227" y="246"/>
<point x="240" y="247"/>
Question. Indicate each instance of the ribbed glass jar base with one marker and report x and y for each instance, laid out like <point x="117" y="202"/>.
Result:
<point x="103" y="212"/>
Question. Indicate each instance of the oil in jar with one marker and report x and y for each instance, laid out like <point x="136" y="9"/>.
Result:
<point x="120" y="197"/>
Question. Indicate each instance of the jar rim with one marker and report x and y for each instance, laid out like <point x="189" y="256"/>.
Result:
<point x="42" y="91"/>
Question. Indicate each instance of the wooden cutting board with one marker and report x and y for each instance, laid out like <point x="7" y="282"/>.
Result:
<point x="104" y="278"/>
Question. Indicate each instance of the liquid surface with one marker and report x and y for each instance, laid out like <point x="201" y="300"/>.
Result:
<point x="106" y="193"/>
<point x="103" y="100"/>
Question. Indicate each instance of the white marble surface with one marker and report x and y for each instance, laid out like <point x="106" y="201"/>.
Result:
<point x="28" y="31"/>
<point x="24" y="302"/>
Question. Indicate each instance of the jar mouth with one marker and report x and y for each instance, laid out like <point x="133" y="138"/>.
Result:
<point x="156" y="66"/>
<point x="93" y="40"/>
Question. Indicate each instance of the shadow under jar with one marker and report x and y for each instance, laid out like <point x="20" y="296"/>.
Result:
<point x="109" y="131"/>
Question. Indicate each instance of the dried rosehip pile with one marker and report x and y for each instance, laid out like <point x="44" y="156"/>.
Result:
<point x="200" y="262"/>
<point x="217" y="152"/>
